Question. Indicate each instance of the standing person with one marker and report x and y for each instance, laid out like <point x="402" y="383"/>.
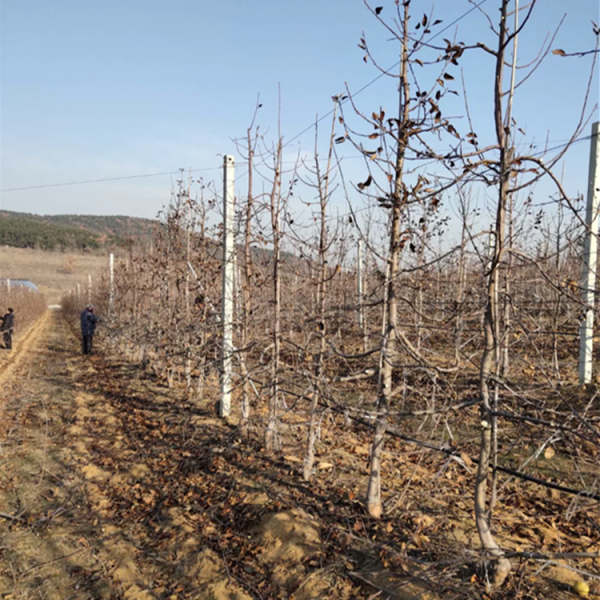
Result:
<point x="88" y="328"/>
<point x="8" y="324"/>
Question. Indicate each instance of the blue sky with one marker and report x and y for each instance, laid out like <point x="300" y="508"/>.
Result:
<point x="93" y="90"/>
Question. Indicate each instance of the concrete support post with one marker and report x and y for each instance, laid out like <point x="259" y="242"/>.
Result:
<point x="111" y="294"/>
<point x="491" y="244"/>
<point x="228" y="284"/>
<point x="588" y="284"/>
<point x="359" y="283"/>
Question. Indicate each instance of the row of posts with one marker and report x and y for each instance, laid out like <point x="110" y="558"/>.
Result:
<point x="90" y="287"/>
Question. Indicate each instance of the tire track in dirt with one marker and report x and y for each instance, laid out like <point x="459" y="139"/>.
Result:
<point x="10" y="360"/>
<point x="91" y="439"/>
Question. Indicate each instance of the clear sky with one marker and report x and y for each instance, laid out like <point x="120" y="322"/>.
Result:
<point x="94" y="90"/>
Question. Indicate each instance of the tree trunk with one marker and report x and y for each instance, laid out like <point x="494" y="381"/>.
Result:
<point x="245" y="419"/>
<point x="388" y="343"/>
<point x="501" y="565"/>
<point x="323" y="187"/>
<point x="275" y="207"/>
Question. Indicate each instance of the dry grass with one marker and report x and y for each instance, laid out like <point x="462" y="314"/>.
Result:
<point x="54" y="273"/>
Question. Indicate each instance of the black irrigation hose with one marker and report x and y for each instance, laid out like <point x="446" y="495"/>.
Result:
<point x="449" y="452"/>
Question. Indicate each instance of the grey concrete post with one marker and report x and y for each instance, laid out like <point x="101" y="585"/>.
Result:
<point x="228" y="284"/>
<point x="588" y="283"/>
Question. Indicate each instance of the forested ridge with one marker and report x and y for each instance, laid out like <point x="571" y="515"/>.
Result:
<point x="82" y="232"/>
<point x="26" y="233"/>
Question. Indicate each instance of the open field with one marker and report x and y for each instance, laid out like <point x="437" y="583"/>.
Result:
<point x="54" y="273"/>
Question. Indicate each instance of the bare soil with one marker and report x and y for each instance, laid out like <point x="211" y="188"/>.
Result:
<point x="114" y="486"/>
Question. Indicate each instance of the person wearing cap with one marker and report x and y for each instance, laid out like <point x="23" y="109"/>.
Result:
<point x="8" y="324"/>
<point x="88" y="328"/>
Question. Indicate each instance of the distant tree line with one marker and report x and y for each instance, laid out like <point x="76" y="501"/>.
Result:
<point x="113" y="227"/>
<point x="25" y="233"/>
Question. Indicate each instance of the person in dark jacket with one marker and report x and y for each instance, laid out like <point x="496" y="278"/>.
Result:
<point x="7" y="327"/>
<point x="88" y="328"/>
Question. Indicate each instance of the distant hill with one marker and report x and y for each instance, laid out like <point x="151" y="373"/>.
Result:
<point x="27" y="233"/>
<point x="115" y="225"/>
<point x="50" y="232"/>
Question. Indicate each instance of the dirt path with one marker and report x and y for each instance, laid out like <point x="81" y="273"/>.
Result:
<point x="49" y="537"/>
<point x="54" y="543"/>
<point x="9" y="360"/>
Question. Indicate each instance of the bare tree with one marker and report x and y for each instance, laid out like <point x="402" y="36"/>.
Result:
<point x="503" y="171"/>
<point x="250" y="149"/>
<point x="399" y="136"/>
<point x="322" y="185"/>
